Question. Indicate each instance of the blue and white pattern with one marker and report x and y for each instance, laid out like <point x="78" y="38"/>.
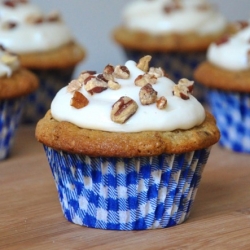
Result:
<point x="177" y="66"/>
<point x="232" y="113"/>
<point x="10" y="114"/>
<point x="38" y="102"/>
<point x="127" y="193"/>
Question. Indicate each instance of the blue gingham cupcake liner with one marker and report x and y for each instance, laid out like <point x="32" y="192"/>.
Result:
<point x="232" y="113"/>
<point x="177" y="65"/>
<point x="38" y="102"/>
<point x="127" y="193"/>
<point x="10" y="114"/>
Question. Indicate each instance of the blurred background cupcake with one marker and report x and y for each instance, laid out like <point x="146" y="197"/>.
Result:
<point x="226" y="73"/>
<point x="176" y="32"/>
<point x="15" y="85"/>
<point x="45" y="45"/>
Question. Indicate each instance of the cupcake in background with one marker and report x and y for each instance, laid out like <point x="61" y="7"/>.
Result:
<point x="127" y="147"/>
<point x="15" y="85"/>
<point x="45" y="46"/>
<point x="176" y="32"/>
<point x="226" y="73"/>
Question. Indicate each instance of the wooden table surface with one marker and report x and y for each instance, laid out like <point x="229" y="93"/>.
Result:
<point x="31" y="216"/>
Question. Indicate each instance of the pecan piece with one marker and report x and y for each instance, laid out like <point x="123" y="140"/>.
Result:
<point x="9" y="25"/>
<point x="121" y="72"/>
<point x="113" y="85"/>
<point x="84" y="75"/>
<point x="143" y="63"/>
<point x="123" y="109"/>
<point x="94" y="85"/>
<point x="142" y="80"/>
<point x="157" y="72"/>
<point x="161" y="103"/>
<point x="74" y="85"/>
<point x="181" y="91"/>
<point x="109" y="69"/>
<point x="34" y="19"/>
<point x="186" y="83"/>
<point x="147" y="95"/>
<point x="78" y="100"/>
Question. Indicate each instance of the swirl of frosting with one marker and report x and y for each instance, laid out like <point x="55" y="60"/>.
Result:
<point x="232" y="53"/>
<point x="179" y="113"/>
<point x="8" y="63"/>
<point x="180" y="16"/>
<point x="25" y="29"/>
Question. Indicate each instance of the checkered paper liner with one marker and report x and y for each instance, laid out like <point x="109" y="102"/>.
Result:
<point x="10" y="114"/>
<point x="177" y="65"/>
<point x="232" y="113"/>
<point x="38" y="102"/>
<point x="127" y="193"/>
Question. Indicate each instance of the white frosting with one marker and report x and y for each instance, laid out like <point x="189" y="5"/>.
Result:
<point x="179" y="114"/>
<point x="27" y="37"/>
<point x="8" y="63"/>
<point x="234" y="53"/>
<point x="149" y="16"/>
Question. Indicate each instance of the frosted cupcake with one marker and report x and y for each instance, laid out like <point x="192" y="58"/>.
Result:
<point x="45" y="46"/>
<point x="15" y="85"/>
<point x="227" y="74"/>
<point x="176" y="32"/>
<point x="127" y="147"/>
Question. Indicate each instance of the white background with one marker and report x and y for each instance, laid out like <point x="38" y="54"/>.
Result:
<point x="92" y="22"/>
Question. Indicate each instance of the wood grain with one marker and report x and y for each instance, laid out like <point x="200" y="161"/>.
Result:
<point x="31" y="217"/>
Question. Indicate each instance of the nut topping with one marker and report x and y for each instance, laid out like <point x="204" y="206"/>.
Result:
<point x="157" y="72"/>
<point x="121" y="72"/>
<point x="94" y="85"/>
<point x="74" y="85"/>
<point x="144" y="63"/>
<point x="181" y="91"/>
<point x="161" y="103"/>
<point x="142" y="80"/>
<point x="78" y="100"/>
<point x="123" y="109"/>
<point x="147" y="95"/>
<point x="186" y="83"/>
<point x="113" y="85"/>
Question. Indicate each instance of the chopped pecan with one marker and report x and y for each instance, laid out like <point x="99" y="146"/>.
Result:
<point x="161" y="103"/>
<point x="142" y="80"/>
<point x="121" y="72"/>
<point x="34" y="19"/>
<point x="109" y="69"/>
<point x="113" y="85"/>
<point x="175" y="5"/>
<point x="239" y="25"/>
<point x="147" y="95"/>
<point x="84" y="75"/>
<point x="157" y="72"/>
<point x="123" y="109"/>
<point x="74" y="85"/>
<point x="94" y="85"/>
<point x="9" y="25"/>
<point x="186" y="83"/>
<point x="143" y="63"/>
<point x="181" y="91"/>
<point x="78" y="100"/>
<point x="53" y="17"/>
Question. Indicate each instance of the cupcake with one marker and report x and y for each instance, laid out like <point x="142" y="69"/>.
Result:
<point x="226" y="73"/>
<point x="46" y="47"/>
<point x="175" y="32"/>
<point x="15" y="85"/>
<point x="127" y="147"/>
